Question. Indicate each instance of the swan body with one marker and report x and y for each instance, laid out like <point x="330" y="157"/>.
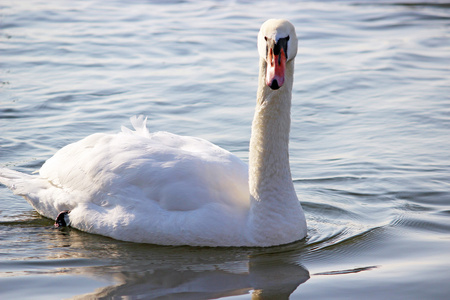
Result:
<point x="167" y="189"/>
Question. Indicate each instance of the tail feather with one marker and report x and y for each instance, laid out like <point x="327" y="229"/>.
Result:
<point x="17" y="182"/>
<point x="38" y="191"/>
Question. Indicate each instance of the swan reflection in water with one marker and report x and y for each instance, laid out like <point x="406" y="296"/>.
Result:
<point x="154" y="272"/>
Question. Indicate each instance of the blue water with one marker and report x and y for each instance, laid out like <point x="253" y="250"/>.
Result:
<point x="370" y="141"/>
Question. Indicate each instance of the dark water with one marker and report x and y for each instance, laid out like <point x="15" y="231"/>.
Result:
<point x="370" y="141"/>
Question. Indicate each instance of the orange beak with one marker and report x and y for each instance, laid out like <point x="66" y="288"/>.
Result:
<point x="276" y="67"/>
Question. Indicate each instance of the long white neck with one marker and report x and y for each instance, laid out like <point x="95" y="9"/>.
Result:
<point x="274" y="204"/>
<point x="269" y="168"/>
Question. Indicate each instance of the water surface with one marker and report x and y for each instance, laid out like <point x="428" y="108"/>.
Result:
<point x="369" y="141"/>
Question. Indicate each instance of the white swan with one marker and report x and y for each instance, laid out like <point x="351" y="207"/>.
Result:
<point x="162" y="188"/>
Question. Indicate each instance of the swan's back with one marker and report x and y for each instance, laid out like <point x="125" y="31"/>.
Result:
<point x="177" y="172"/>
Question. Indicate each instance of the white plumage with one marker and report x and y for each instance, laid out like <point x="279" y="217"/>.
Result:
<point x="168" y="189"/>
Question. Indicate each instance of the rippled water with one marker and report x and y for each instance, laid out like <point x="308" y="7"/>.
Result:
<point x="369" y="141"/>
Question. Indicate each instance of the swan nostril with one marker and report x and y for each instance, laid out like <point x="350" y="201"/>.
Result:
<point x="274" y="85"/>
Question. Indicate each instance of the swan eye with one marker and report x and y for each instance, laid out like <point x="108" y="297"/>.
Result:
<point x="267" y="46"/>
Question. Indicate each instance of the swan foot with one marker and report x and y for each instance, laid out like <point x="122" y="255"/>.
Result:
<point x="62" y="220"/>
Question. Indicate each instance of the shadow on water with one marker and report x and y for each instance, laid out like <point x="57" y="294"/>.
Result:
<point x="150" y="271"/>
<point x="204" y="274"/>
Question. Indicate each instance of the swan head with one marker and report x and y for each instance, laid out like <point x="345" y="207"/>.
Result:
<point x="277" y="45"/>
